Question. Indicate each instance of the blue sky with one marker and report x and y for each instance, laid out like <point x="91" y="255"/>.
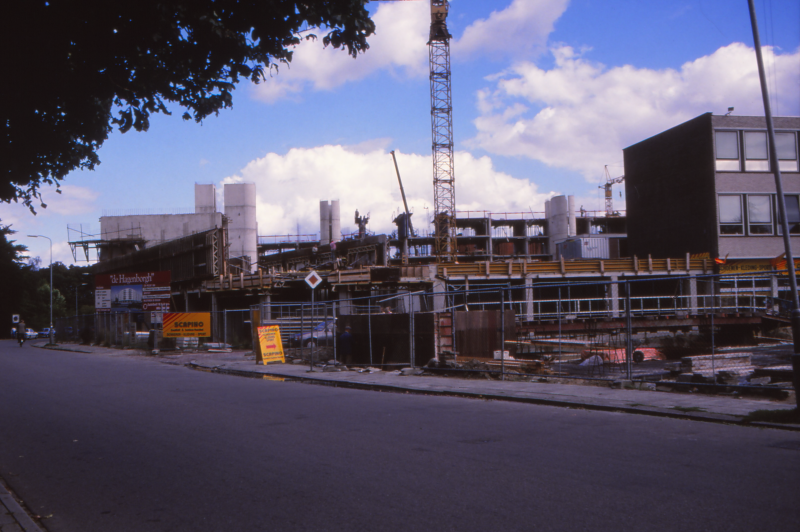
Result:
<point x="545" y="92"/>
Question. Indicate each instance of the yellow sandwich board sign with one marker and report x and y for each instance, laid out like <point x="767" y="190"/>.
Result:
<point x="187" y="324"/>
<point x="269" y="340"/>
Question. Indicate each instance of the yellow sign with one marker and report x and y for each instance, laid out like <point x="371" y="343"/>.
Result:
<point x="269" y="339"/>
<point x="755" y="265"/>
<point x="745" y="266"/>
<point x="187" y="324"/>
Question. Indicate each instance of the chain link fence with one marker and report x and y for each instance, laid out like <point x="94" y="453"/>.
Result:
<point x="698" y="333"/>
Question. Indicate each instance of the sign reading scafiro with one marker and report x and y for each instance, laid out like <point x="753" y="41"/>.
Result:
<point x="187" y="324"/>
<point x="269" y="340"/>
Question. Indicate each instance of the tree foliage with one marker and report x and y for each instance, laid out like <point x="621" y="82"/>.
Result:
<point x="12" y="276"/>
<point x="25" y="287"/>
<point x="77" y="69"/>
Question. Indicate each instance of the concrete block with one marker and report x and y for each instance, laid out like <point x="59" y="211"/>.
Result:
<point x="623" y="385"/>
<point x="704" y="363"/>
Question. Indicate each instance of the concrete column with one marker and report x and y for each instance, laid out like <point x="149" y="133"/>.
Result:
<point x="439" y="292"/>
<point x="266" y="307"/>
<point x="186" y="301"/>
<point x="773" y="284"/>
<point x="528" y="298"/>
<point x="693" y="296"/>
<point x="615" y="296"/>
<point x="345" y="304"/>
<point x="215" y="318"/>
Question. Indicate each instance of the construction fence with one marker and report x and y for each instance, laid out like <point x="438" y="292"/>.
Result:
<point x="721" y="331"/>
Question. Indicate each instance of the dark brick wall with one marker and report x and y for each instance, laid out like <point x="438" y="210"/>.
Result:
<point x="670" y="190"/>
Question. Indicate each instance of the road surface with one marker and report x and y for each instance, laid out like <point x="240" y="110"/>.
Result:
<point x="120" y="443"/>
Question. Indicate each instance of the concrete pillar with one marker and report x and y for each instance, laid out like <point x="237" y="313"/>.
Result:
<point x="240" y="209"/>
<point x="615" y="296"/>
<point x="345" y="303"/>
<point x="773" y="284"/>
<point x="528" y="298"/>
<point x="205" y="199"/>
<point x="266" y="307"/>
<point x="330" y="223"/>
<point x="215" y="319"/>
<point x="571" y="222"/>
<point x="186" y="301"/>
<point x="693" y="296"/>
<point x="439" y="290"/>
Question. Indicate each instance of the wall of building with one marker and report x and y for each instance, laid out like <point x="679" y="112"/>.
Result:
<point x="749" y="182"/>
<point x="669" y="185"/>
<point x="157" y="228"/>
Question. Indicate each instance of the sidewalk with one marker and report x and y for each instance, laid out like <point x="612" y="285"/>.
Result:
<point x="691" y="406"/>
<point x="12" y="517"/>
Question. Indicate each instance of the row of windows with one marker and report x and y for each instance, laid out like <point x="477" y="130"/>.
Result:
<point x="755" y="156"/>
<point x="761" y="216"/>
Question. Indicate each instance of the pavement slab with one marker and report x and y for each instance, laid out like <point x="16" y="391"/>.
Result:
<point x="684" y="405"/>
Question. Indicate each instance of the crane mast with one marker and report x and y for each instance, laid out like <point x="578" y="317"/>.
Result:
<point x="444" y="192"/>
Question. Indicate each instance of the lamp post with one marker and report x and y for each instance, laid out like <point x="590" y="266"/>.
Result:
<point x="51" y="281"/>
<point x="776" y="170"/>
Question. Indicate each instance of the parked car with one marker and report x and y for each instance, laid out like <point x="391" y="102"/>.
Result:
<point x="30" y="334"/>
<point x="45" y="333"/>
<point x="322" y="334"/>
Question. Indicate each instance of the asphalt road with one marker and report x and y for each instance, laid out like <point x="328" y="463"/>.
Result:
<point x="115" y="443"/>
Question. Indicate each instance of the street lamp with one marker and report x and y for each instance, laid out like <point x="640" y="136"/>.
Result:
<point x="51" y="282"/>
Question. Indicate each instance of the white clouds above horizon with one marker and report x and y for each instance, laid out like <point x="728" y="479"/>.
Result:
<point x="72" y="200"/>
<point x="399" y="46"/>
<point x="519" y="30"/>
<point x="290" y="187"/>
<point x="579" y="114"/>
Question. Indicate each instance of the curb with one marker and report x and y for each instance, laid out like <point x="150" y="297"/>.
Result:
<point x="656" y="412"/>
<point x="59" y="348"/>
<point x="23" y="519"/>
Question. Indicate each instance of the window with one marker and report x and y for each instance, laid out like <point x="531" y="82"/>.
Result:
<point x="786" y="146"/>
<point x="755" y="151"/>
<point x="792" y="214"/>
<point x="731" y="221"/>
<point x="759" y="214"/>
<point x="727" y="151"/>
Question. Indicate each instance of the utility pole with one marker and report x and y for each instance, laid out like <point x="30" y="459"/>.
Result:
<point x="787" y="244"/>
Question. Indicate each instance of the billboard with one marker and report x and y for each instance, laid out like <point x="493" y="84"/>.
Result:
<point x="127" y="292"/>
<point x="187" y="325"/>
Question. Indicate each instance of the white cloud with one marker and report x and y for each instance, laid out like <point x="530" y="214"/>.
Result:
<point x="399" y="46"/>
<point x="519" y="30"/>
<point x="72" y="200"/>
<point x="579" y="115"/>
<point x="290" y="187"/>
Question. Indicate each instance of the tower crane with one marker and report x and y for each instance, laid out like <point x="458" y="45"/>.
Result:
<point x="444" y="185"/>
<point x="444" y="189"/>
<point x="609" y="198"/>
